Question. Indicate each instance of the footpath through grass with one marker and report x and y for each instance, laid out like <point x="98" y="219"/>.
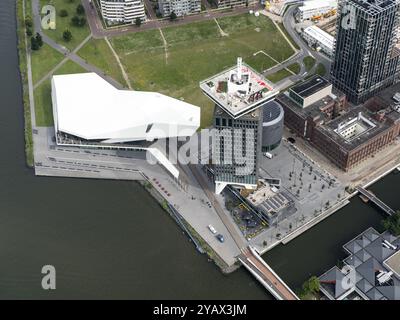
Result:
<point x="195" y="52"/>
<point x="43" y="61"/>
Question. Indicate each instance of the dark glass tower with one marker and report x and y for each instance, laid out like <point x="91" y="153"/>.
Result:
<point x="366" y="57"/>
<point x="237" y="147"/>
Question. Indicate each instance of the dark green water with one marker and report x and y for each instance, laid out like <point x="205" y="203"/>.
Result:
<point x="109" y="239"/>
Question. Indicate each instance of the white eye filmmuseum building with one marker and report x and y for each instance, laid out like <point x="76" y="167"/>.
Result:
<point x="90" y="112"/>
<point x="123" y="11"/>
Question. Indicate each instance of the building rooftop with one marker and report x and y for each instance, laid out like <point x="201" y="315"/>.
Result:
<point x="320" y="35"/>
<point x="272" y="110"/>
<point x="374" y="6"/>
<point x="393" y="263"/>
<point x="238" y="89"/>
<point x="310" y="86"/>
<point x="360" y="124"/>
<point x="368" y="255"/>
<point x="88" y="107"/>
<point x="313" y="110"/>
<point x="317" y="4"/>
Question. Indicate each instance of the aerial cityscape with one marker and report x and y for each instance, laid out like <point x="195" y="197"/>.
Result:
<point x="250" y="148"/>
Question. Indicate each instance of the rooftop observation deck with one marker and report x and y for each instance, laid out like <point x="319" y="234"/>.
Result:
<point x="238" y="90"/>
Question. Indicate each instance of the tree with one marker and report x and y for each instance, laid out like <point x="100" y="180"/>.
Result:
<point x="310" y="288"/>
<point x="80" y="9"/>
<point x="39" y="40"/>
<point x="172" y="16"/>
<point x="29" y="31"/>
<point x="82" y="21"/>
<point x="392" y="224"/>
<point x="75" y="20"/>
<point x="138" y="22"/>
<point x="34" y="44"/>
<point x="78" y="21"/>
<point x="67" y="35"/>
<point x="28" y="22"/>
<point x="63" y="13"/>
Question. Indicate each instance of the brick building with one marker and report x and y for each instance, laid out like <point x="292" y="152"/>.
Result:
<point x="347" y="135"/>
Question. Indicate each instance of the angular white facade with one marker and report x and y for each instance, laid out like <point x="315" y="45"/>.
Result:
<point x="125" y="11"/>
<point x="88" y="107"/>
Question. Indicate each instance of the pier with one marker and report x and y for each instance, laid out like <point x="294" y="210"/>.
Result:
<point x="265" y="275"/>
<point x="379" y="203"/>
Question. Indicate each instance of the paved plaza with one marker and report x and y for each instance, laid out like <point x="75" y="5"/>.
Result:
<point x="313" y="190"/>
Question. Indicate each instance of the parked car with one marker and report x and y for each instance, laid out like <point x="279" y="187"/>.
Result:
<point x="212" y="229"/>
<point x="220" y="238"/>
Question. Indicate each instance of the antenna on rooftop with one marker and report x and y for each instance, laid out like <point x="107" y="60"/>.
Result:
<point x="239" y="68"/>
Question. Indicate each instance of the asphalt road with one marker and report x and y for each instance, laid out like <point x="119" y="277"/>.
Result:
<point x="289" y="24"/>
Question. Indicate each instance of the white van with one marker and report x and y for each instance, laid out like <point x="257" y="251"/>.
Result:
<point x="268" y="155"/>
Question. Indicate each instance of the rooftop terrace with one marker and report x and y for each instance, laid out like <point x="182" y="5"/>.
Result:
<point x="238" y="89"/>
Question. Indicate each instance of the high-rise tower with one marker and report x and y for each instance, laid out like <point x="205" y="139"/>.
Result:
<point x="239" y="94"/>
<point x="366" y="57"/>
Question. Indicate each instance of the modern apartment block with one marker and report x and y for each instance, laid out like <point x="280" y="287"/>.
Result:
<point x="179" y="7"/>
<point x="122" y="11"/>
<point x="366" y="57"/>
<point x="233" y="3"/>
<point x="239" y="94"/>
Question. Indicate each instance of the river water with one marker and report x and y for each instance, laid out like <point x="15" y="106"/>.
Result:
<point x="109" y="239"/>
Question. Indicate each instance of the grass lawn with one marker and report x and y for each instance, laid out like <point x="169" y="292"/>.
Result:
<point x="309" y="62"/>
<point x="295" y="67"/>
<point x="260" y="62"/>
<point x="42" y="95"/>
<point x="70" y="67"/>
<point x="279" y="75"/>
<point x="281" y="26"/>
<point x="195" y="52"/>
<point x="62" y="23"/>
<point x="320" y="70"/>
<point x="24" y="78"/>
<point x="43" y="61"/>
<point x="43" y="111"/>
<point x="98" y="53"/>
